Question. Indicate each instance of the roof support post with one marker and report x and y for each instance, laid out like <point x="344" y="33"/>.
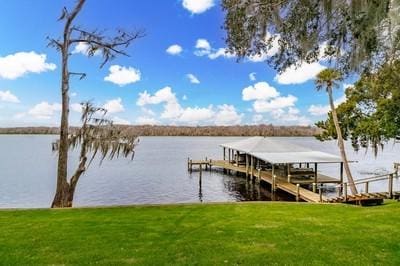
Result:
<point x="237" y="158"/>
<point x="247" y="165"/>
<point x="289" y="177"/>
<point x="273" y="185"/>
<point x="251" y="166"/>
<point x="224" y="153"/>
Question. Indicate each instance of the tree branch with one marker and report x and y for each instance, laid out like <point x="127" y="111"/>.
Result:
<point x="80" y="74"/>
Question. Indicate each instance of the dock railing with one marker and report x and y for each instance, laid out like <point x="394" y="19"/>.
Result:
<point x="343" y="188"/>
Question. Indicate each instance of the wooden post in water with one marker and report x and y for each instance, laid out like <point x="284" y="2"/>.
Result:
<point x="259" y="174"/>
<point x="314" y="187"/>
<point x="366" y="187"/>
<point x="345" y="191"/>
<point x="298" y="192"/>
<point x="320" y="193"/>
<point x="200" y="171"/>
<point x="188" y="160"/>
<point x="391" y="186"/>
<point x="191" y="166"/>
<point x="289" y="177"/>
<point x="206" y="164"/>
<point x="200" y="183"/>
<point x="316" y="173"/>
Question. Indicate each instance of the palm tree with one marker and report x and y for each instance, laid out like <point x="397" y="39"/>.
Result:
<point x="328" y="79"/>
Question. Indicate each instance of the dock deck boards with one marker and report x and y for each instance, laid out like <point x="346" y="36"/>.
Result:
<point x="291" y="187"/>
<point x="266" y="176"/>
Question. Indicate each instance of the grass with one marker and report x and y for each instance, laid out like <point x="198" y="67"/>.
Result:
<point x="203" y="234"/>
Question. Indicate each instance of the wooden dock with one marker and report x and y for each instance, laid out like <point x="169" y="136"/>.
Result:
<point x="266" y="176"/>
<point x="294" y="187"/>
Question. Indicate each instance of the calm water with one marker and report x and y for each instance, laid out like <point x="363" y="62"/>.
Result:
<point x="158" y="174"/>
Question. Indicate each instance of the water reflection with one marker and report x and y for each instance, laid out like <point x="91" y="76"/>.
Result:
<point x="158" y="174"/>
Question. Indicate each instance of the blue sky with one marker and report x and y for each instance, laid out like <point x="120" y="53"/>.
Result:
<point x="177" y="74"/>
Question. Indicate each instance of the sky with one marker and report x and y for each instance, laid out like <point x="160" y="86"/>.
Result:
<point x="178" y="74"/>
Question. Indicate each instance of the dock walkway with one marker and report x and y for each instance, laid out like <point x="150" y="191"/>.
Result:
<point x="266" y="176"/>
<point x="294" y="187"/>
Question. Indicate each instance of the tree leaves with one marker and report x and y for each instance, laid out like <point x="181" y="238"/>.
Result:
<point x="353" y="28"/>
<point x="370" y="117"/>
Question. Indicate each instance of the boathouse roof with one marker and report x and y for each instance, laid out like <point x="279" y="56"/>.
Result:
<point x="275" y="150"/>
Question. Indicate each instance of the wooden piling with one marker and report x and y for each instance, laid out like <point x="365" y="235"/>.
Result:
<point x="200" y="170"/>
<point x="316" y="173"/>
<point x="345" y="191"/>
<point x="366" y="187"/>
<point x="298" y="192"/>
<point x="314" y="187"/>
<point x="289" y="177"/>
<point x="320" y="193"/>
<point x="391" y="186"/>
<point x="200" y="176"/>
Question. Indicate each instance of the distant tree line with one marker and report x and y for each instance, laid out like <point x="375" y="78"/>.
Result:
<point x="157" y="130"/>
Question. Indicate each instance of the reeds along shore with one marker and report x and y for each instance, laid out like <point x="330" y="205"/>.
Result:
<point x="158" y="130"/>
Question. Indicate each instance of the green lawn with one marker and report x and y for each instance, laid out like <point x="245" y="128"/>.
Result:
<point x="204" y="234"/>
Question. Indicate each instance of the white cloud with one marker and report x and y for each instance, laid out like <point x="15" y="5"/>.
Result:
<point x="203" y="48"/>
<point x="83" y="48"/>
<point x="174" y="49"/>
<point x="197" y="6"/>
<point x="252" y="76"/>
<point x="17" y="65"/>
<point x="184" y="97"/>
<point x="194" y="115"/>
<point x="44" y="110"/>
<point x="257" y="118"/>
<point x="163" y="95"/>
<point x="76" y="107"/>
<point x="227" y="115"/>
<point x="122" y="75"/>
<point x="193" y="79"/>
<point x="114" y="106"/>
<point x="148" y="111"/>
<point x="290" y="117"/>
<point x="259" y="91"/>
<point x="220" y="52"/>
<point x="143" y="120"/>
<point x="268" y="101"/>
<point x="120" y="121"/>
<point x="301" y="74"/>
<point x="173" y="111"/>
<point x="320" y="110"/>
<point x="7" y="96"/>
<point x="263" y="106"/>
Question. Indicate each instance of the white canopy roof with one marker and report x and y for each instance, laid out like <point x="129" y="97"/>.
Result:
<point x="276" y="151"/>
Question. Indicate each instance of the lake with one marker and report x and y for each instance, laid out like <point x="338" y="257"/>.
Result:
<point x="158" y="173"/>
